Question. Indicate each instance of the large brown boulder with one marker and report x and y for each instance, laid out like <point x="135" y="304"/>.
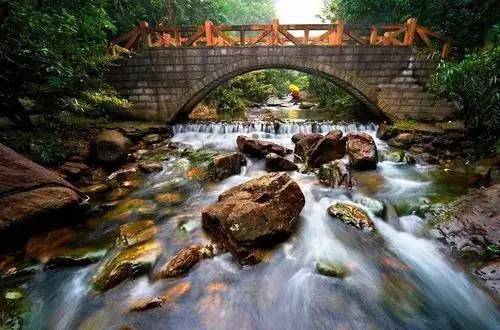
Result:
<point x="228" y="164"/>
<point x="472" y="223"/>
<point x="276" y="163"/>
<point x="362" y="151"/>
<point x="110" y="146"/>
<point x="259" y="148"/>
<point x="331" y="147"/>
<point x="305" y="143"/>
<point x="31" y="196"/>
<point x="258" y="213"/>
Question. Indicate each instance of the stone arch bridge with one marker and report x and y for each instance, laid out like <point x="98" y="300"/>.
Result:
<point x="166" y="83"/>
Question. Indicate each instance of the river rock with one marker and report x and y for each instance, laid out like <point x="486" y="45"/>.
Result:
<point x="329" y="148"/>
<point x="306" y="105"/>
<point x="181" y="263"/>
<point x="150" y="166"/>
<point x="335" y="174"/>
<point x="472" y="222"/>
<point x="351" y="215"/>
<point x="110" y="146"/>
<point x="152" y="138"/>
<point x="299" y="136"/>
<point x="255" y="214"/>
<point x="362" y="151"/>
<point x="490" y="273"/>
<point x="276" y="163"/>
<point x="403" y="141"/>
<point x="31" y="196"/>
<point x="73" y="169"/>
<point x="305" y="144"/>
<point x="136" y="232"/>
<point x="123" y="264"/>
<point x="226" y="165"/>
<point x="385" y="131"/>
<point x="331" y="269"/>
<point x="258" y="148"/>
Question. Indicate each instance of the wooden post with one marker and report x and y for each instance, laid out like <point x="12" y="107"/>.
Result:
<point x="177" y="37"/>
<point x="386" y="41"/>
<point x="339" y="33"/>
<point x="411" y="27"/>
<point x="306" y="37"/>
<point x="446" y="49"/>
<point x="209" y="33"/>
<point x="373" y="35"/>
<point x="242" y="36"/>
<point x="275" y="34"/>
<point x="144" y="33"/>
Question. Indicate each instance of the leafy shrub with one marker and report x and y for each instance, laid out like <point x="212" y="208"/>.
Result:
<point x="329" y="95"/>
<point x="474" y="85"/>
<point x="100" y="102"/>
<point x="42" y="147"/>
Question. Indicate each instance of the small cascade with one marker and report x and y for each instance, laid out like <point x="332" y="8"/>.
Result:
<point x="270" y="127"/>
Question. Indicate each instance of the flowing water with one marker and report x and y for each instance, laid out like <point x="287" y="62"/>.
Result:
<point x="398" y="277"/>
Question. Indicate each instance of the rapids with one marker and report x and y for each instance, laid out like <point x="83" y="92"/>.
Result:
<point x="398" y="277"/>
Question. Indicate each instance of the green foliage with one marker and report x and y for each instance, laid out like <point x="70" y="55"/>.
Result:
<point x="329" y="95"/>
<point x="474" y="84"/>
<point x="230" y="99"/>
<point x="42" y="147"/>
<point x="465" y="21"/>
<point x="98" y="103"/>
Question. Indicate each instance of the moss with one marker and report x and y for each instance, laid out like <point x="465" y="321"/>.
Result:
<point x="13" y="308"/>
<point x="405" y="124"/>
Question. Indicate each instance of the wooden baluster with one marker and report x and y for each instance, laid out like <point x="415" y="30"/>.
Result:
<point x="411" y="27"/>
<point x="275" y="33"/>
<point x="144" y="32"/>
<point x="373" y="35"/>
<point x="177" y="37"/>
<point x="339" y="33"/>
<point x="332" y="38"/>
<point x="446" y="49"/>
<point x="242" y="36"/>
<point x="209" y="33"/>
<point x="306" y="37"/>
<point x="386" y="41"/>
<point x="167" y="39"/>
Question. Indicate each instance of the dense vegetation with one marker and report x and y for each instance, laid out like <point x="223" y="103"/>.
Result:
<point x="53" y="52"/>
<point x="235" y="96"/>
<point x="470" y="77"/>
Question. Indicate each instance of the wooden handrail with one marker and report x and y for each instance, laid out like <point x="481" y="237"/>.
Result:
<point x="276" y="34"/>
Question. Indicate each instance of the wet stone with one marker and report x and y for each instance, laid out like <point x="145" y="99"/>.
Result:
<point x="352" y="215"/>
<point x="150" y="166"/>
<point x="95" y="189"/>
<point x="127" y="263"/>
<point x="137" y="232"/>
<point x="152" y="138"/>
<point x="331" y="269"/>
<point x="181" y="263"/>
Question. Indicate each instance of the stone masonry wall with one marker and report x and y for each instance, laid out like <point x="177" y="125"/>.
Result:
<point x="165" y="84"/>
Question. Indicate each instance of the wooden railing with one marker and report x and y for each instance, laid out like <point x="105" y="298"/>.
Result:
<point x="275" y="34"/>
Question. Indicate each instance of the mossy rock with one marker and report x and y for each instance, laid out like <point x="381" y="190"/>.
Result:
<point x="352" y="215"/>
<point x="136" y="232"/>
<point x="331" y="269"/>
<point x="14" y="307"/>
<point x="127" y="263"/>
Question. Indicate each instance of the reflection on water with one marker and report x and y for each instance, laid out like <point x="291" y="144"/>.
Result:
<point x="396" y="277"/>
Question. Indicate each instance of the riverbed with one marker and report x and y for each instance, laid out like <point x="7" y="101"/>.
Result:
<point x="397" y="277"/>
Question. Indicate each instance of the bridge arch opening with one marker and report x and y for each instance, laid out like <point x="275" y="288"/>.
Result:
<point x="356" y="87"/>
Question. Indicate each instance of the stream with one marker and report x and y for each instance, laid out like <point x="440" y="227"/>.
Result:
<point x="398" y="277"/>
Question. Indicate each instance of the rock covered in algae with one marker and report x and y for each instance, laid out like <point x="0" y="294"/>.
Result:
<point x="136" y="232"/>
<point x="126" y="263"/>
<point x="351" y="215"/>
<point x="331" y="269"/>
